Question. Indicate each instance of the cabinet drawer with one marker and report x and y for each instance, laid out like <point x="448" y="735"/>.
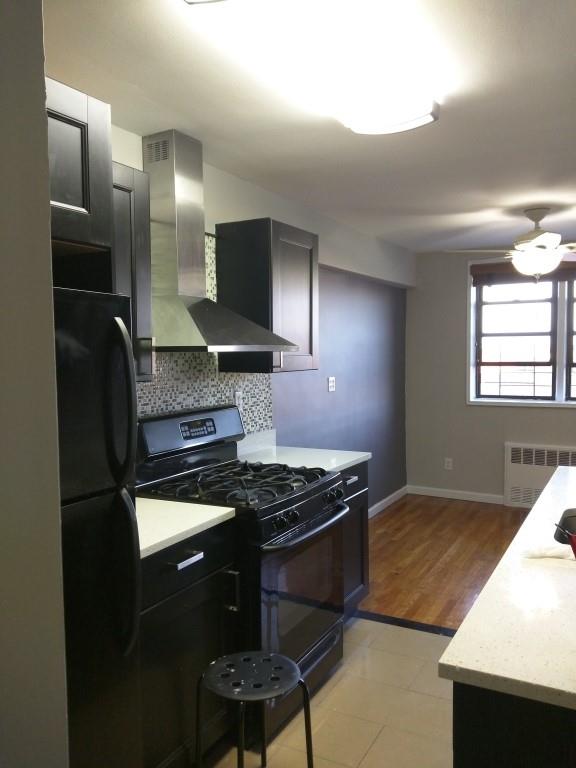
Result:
<point x="180" y="565"/>
<point x="355" y="479"/>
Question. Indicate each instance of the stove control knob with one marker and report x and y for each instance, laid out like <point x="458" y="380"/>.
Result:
<point x="339" y="493"/>
<point x="293" y="516"/>
<point x="280" y="523"/>
<point x="330" y="497"/>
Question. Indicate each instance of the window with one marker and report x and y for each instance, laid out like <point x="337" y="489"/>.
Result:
<point x="523" y="335"/>
<point x="571" y="334"/>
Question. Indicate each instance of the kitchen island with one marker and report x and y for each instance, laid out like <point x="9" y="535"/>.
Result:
<point x="513" y="660"/>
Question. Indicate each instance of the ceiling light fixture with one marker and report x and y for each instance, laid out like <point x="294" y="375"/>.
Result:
<point x="374" y="123"/>
<point x="201" y="2"/>
<point x="537" y="252"/>
<point x="376" y="66"/>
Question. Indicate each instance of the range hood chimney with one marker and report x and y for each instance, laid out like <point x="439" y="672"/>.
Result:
<point x="182" y="316"/>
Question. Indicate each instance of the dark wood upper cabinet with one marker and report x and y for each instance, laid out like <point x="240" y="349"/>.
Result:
<point x="131" y="258"/>
<point x="268" y="272"/>
<point x="80" y="156"/>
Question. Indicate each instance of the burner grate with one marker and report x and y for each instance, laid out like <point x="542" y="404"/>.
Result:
<point x="243" y="484"/>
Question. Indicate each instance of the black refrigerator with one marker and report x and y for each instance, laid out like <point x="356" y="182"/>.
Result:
<point x="100" y="548"/>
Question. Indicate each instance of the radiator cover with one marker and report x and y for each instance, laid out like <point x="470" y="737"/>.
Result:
<point x="528" y="467"/>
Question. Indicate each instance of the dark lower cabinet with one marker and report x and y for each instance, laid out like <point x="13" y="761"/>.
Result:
<point x="267" y="271"/>
<point x="131" y="258"/>
<point x="179" y="636"/>
<point x="504" y="731"/>
<point x="355" y="527"/>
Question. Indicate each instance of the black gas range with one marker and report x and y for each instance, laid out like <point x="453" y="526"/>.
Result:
<point x="289" y="542"/>
<point x="192" y="457"/>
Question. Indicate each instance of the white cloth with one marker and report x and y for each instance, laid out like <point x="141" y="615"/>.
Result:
<point x="561" y="551"/>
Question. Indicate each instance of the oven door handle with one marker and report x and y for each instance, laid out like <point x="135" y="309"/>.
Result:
<point x="343" y="510"/>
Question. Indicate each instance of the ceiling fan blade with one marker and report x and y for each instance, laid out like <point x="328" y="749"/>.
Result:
<point x="501" y="251"/>
<point x="544" y="240"/>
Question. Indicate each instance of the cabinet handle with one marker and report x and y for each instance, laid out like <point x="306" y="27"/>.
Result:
<point x="350" y="479"/>
<point x="236" y="576"/>
<point x="194" y="558"/>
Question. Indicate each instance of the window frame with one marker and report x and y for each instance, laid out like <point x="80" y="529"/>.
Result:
<point x="569" y="353"/>
<point x="566" y="280"/>
<point x="553" y="333"/>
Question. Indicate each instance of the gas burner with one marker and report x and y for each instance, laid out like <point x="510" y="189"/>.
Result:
<point x="249" y="498"/>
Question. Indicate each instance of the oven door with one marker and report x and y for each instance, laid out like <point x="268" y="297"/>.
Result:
<point x="302" y="589"/>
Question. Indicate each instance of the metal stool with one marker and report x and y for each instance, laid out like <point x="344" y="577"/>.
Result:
<point x="252" y="676"/>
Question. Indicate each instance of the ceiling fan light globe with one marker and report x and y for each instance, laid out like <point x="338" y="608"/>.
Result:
<point x="536" y="261"/>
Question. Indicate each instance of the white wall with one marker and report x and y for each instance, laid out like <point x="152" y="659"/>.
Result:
<point x="439" y="422"/>
<point x="229" y="198"/>
<point x="32" y="666"/>
<point x="126" y="148"/>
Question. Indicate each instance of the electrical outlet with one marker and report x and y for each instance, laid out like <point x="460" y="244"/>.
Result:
<point x="238" y="399"/>
<point x="331" y="383"/>
<point x="448" y="463"/>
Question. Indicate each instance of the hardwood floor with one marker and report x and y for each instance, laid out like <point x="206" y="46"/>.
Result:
<point x="430" y="557"/>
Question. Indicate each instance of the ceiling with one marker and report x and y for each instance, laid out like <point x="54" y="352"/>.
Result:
<point x="505" y="140"/>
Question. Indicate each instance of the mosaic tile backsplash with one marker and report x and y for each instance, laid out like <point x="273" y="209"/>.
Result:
<point x="191" y="379"/>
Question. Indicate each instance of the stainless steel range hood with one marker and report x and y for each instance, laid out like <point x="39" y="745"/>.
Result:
<point x="182" y="316"/>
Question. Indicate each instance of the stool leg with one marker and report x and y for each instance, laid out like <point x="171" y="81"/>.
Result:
<point x="241" y="719"/>
<point x="198" y="761"/>
<point x="264" y="760"/>
<point x="307" y="722"/>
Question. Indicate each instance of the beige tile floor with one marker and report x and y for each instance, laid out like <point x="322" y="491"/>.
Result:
<point x="384" y="707"/>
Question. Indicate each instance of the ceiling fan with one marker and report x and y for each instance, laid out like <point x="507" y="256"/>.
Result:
<point x="539" y="251"/>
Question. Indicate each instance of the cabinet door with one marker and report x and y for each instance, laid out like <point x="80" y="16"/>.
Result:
<point x="179" y="638"/>
<point x="295" y="295"/>
<point x="356" y="540"/>
<point x="80" y="157"/>
<point x="131" y="258"/>
<point x="268" y="272"/>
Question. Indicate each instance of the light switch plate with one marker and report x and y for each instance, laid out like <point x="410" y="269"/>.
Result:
<point x="331" y="383"/>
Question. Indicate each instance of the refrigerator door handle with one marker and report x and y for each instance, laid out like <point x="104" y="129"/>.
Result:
<point x="126" y="347"/>
<point x="135" y="602"/>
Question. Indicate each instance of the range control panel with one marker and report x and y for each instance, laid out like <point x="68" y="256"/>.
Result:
<point x="197" y="428"/>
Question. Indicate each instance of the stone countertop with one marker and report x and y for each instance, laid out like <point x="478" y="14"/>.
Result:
<point x="334" y="461"/>
<point x="520" y="635"/>
<point x="163" y="523"/>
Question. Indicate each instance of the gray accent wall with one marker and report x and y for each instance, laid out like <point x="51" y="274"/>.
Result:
<point x="362" y="341"/>
<point x="32" y="661"/>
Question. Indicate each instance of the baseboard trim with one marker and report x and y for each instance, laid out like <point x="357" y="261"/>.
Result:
<point x="380" y="505"/>
<point x="448" y="493"/>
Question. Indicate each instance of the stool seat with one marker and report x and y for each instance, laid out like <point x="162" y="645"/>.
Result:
<point x="247" y="677"/>
<point x="251" y="676"/>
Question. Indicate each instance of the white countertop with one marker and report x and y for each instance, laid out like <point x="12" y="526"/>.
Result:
<point x="333" y="461"/>
<point x="520" y="635"/>
<point x="163" y="523"/>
